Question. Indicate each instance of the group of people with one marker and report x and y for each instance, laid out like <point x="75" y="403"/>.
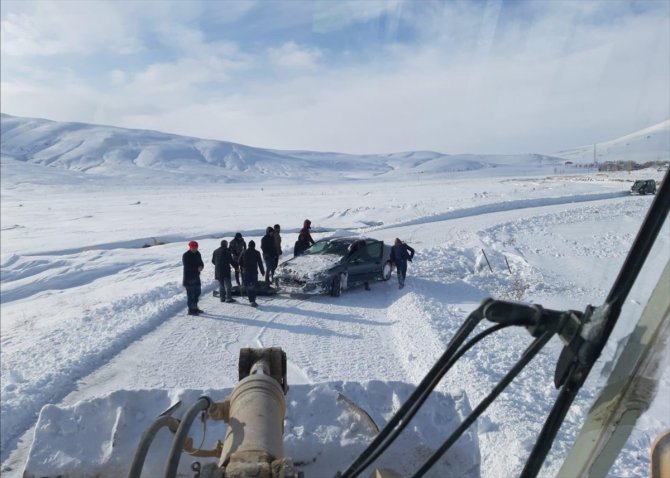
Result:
<point x="242" y="258"/>
<point x="246" y="261"/>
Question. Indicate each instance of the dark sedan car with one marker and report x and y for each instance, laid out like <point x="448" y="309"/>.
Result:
<point x="334" y="264"/>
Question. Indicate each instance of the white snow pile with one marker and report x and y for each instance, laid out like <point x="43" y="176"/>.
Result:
<point x="322" y="432"/>
<point x="95" y="341"/>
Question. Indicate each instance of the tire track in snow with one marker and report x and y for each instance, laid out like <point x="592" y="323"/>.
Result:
<point x="52" y="364"/>
<point x="502" y="206"/>
<point x="294" y="370"/>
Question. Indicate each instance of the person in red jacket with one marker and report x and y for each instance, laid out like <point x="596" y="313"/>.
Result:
<point x="306" y="226"/>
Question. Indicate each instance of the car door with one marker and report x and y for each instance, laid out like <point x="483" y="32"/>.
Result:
<point x="363" y="266"/>
<point x="359" y="263"/>
<point x="375" y="250"/>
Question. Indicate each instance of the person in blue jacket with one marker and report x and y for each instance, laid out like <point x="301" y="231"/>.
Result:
<point x="401" y="253"/>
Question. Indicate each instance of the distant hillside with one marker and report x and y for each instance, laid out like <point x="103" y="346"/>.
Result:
<point x="647" y="145"/>
<point x="105" y="151"/>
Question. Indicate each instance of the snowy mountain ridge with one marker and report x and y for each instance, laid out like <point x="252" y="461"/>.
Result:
<point x="646" y="145"/>
<point x="106" y="151"/>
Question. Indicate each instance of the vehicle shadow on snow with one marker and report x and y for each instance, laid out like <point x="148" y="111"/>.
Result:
<point x="295" y="329"/>
<point x="380" y="296"/>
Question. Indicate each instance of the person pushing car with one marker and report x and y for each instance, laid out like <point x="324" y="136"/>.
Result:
<point x="401" y="253"/>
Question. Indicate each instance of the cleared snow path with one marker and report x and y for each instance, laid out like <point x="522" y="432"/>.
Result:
<point x="145" y="340"/>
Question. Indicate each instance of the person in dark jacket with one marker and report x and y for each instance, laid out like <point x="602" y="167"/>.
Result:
<point x="306" y="226"/>
<point x="401" y="253"/>
<point x="237" y="247"/>
<point x="193" y="266"/>
<point x="301" y="245"/>
<point x="270" y="256"/>
<point x="277" y="237"/>
<point x="223" y="260"/>
<point x="250" y="263"/>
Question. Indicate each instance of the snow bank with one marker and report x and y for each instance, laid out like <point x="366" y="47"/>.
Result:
<point x="323" y="433"/>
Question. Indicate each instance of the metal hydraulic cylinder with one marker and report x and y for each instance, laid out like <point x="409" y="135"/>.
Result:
<point x="255" y="424"/>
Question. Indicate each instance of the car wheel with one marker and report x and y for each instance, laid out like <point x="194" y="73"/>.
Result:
<point x="336" y="286"/>
<point x="386" y="270"/>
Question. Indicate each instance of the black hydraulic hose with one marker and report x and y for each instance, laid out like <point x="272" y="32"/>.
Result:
<point x="551" y="426"/>
<point x="419" y="403"/>
<point x="532" y="350"/>
<point x="178" y="441"/>
<point x="639" y="251"/>
<point x="646" y="236"/>
<point x="145" y="442"/>
<point x="419" y="395"/>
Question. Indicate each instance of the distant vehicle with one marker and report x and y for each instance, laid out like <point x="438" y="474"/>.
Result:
<point x="335" y="264"/>
<point x="644" y="186"/>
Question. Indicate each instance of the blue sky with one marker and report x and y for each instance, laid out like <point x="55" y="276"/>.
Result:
<point x="358" y="77"/>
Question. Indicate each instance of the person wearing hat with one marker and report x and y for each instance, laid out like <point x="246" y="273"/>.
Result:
<point x="250" y="263"/>
<point x="237" y="247"/>
<point x="222" y="260"/>
<point x="193" y="266"/>
<point x="306" y="226"/>
<point x="401" y="253"/>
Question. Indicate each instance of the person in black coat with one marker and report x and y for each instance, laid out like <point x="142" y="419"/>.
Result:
<point x="270" y="256"/>
<point x="237" y="247"/>
<point x="223" y="260"/>
<point x="306" y="226"/>
<point x="193" y="266"/>
<point x="301" y="245"/>
<point x="250" y="263"/>
<point x="401" y="253"/>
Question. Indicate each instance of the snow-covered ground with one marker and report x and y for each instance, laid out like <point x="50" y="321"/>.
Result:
<point x="95" y="340"/>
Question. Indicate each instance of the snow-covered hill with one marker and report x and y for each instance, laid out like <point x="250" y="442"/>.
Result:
<point x="149" y="155"/>
<point x="649" y="144"/>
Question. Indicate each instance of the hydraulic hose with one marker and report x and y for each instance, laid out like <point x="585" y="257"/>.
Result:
<point x="646" y="236"/>
<point x="418" y="404"/>
<point x="421" y="393"/>
<point x="639" y="251"/>
<point x="179" y="439"/>
<point x="532" y="350"/>
<point x="146" y="440"/>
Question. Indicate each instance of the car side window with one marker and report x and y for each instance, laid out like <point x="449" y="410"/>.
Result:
<point x="374" y="250"/>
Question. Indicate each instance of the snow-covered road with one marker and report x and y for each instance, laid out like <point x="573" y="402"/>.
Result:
<point x="91" y="313"/>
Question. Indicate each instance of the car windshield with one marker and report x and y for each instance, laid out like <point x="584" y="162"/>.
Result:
<point x="339" y="248"/>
